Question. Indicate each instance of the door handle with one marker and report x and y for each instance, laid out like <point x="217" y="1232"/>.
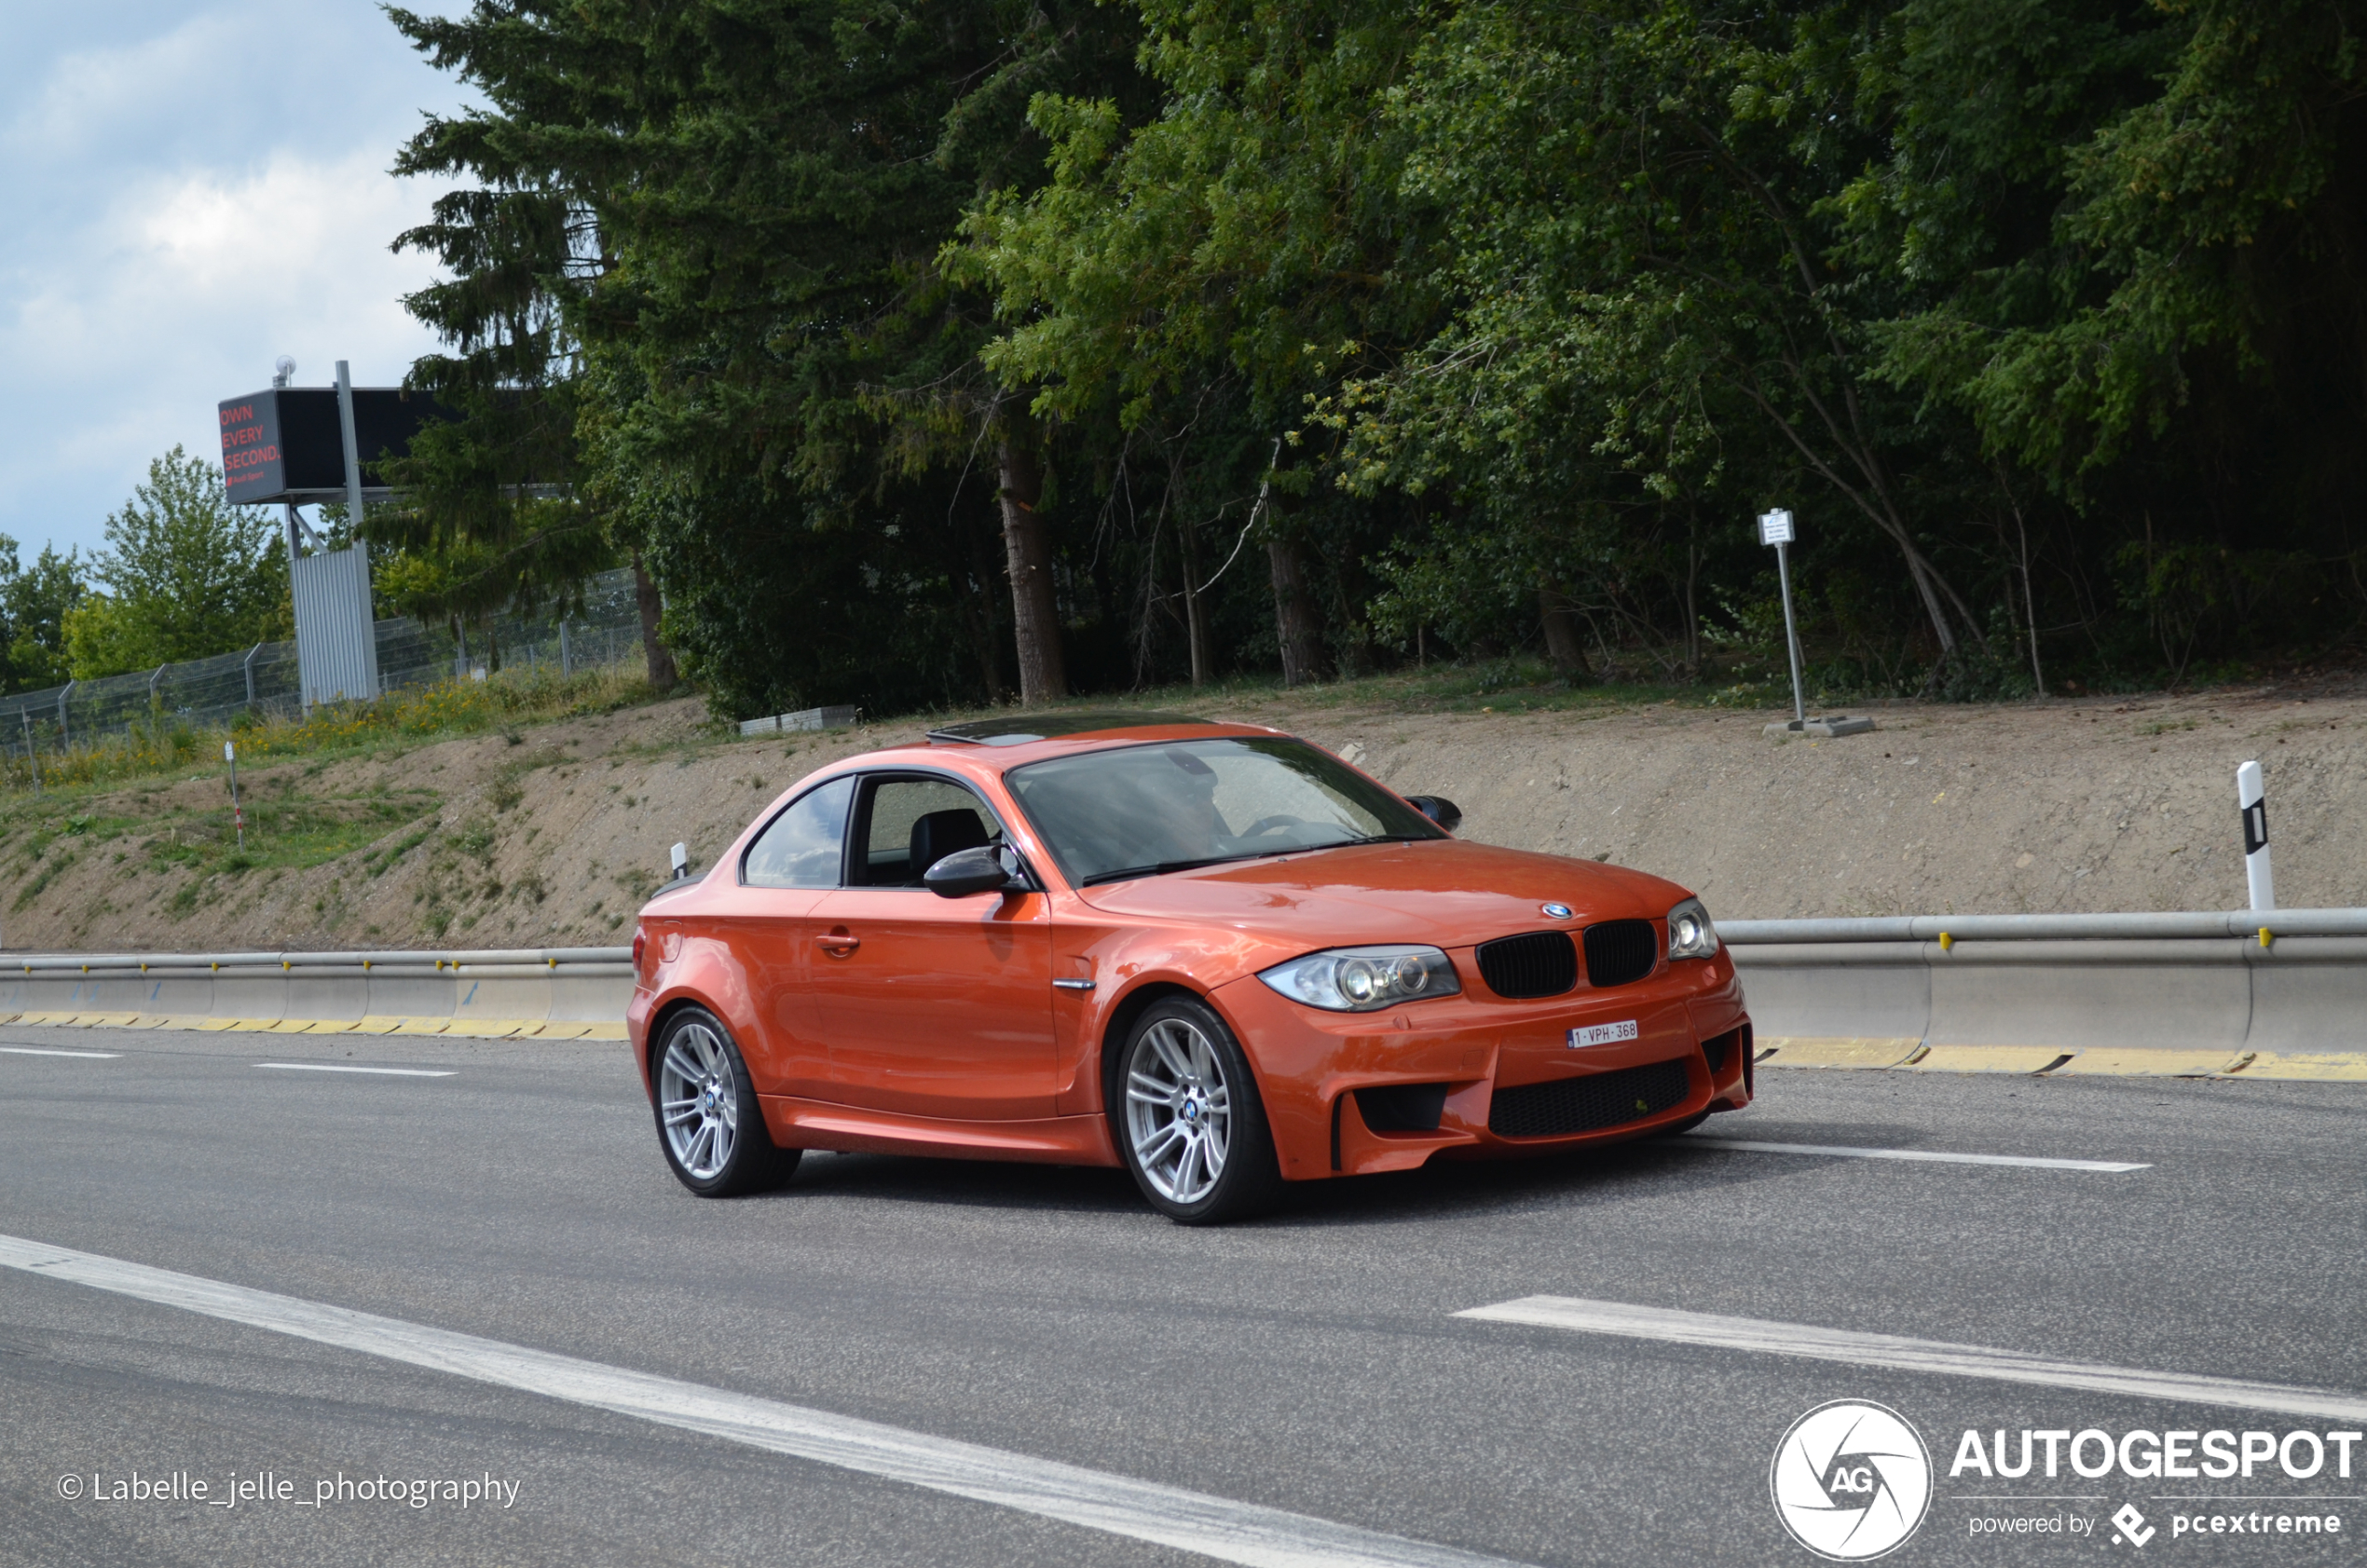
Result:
<point x="838" y="943"/>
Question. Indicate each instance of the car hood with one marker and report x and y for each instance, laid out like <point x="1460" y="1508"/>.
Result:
<point x="1447" y="892"/>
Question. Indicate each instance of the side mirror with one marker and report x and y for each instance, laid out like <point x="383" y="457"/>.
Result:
<point x="967" y="871"/>
<point x="1439" y="808"/>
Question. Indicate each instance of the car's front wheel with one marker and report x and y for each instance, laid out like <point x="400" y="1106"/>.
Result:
<point x="709" y="1123"/>
<point x="1190" y="1122"/>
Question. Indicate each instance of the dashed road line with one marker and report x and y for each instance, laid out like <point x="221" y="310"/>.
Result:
<point x="36" y="1051"/>
<point x="386" y="1072"/>
<point x="1936" y="1157"/>
<point x="1676" y="1327"/>
<point x="1249" y="1534"/>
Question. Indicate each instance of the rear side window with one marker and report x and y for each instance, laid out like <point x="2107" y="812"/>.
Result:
<point x="801" y="847"/>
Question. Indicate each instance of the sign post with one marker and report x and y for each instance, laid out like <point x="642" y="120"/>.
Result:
<point x="230" y="755"/>
<point x="1776" y="529"/>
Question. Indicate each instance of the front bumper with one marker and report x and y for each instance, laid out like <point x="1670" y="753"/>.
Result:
<point x="1446" y="1076"/>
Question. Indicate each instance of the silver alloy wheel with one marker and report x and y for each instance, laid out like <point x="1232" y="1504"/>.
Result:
<point x="699" y="1097"/>
<point x="1179" y="1110"/>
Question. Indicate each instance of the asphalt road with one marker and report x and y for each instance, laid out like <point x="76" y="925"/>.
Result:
<point x="1311" y="1362"/>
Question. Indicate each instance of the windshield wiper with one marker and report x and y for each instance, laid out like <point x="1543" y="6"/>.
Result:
<point x="1164" y="866"/>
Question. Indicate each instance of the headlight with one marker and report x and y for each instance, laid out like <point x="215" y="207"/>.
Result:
<point x="1690" y="932"/>
<point x="1364" y="979"/>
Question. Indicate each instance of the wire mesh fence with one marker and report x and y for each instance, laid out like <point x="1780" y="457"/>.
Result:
<point x="263" y="680"/>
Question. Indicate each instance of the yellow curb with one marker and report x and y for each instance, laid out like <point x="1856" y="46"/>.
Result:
<point x="490" y="1029"/>
<point x="217" y="1026"/>
<point x="2142" y="1063"/>
<point x="564" y="1030"/>
<point x="331" y="1026"/>
<point x="254" y="1025"/>
<point x="1993" y="1058"/>
<point x="2339" y="1065"/>
<point x="288" y="1025"/>
<point x="378" y="1023"/>
<point x="45" y="1018"/>
<point x="151" y="1020"/>
<point x="105" y="1020"/>
<point x="420" y="1026"/>
<point x="606" y="1032"/>
<point x="1800" y="1051"/>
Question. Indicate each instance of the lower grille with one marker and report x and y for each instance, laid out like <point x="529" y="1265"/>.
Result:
<point x="1619" y="951"/>
<point x="1588" y="1104"/>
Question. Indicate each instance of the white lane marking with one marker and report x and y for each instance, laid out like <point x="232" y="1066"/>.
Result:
<point x="1231" y="1532"/>
<point x="36" y="1051"/>
<point x="1844" y="1151"/>
<point x="388" y="1071"/>
<point x="1912" y="1355"/>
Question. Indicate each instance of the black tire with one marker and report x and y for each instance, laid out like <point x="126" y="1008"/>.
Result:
<point x="1189" y="1124"/>
<point x="716" y="1142"/>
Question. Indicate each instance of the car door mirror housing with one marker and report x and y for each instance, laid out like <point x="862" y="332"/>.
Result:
<point x="967" y="871"/>
<point x="1439" y="808"/>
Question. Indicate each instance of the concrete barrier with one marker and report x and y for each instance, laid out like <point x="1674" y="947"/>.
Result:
<point x="2281" y="995"/>
<point x="548" y="993"/>
<point x="2260" y="995"/>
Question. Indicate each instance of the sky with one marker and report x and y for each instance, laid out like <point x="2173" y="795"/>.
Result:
<point x="191" y="190"/>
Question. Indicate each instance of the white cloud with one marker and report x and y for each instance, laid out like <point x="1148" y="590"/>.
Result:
<point x="183" y="294"/>
<point x="183" y="207"/>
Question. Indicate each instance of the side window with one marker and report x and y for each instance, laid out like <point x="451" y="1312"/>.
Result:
<point x="801" y="848"/>
<point x="912" y="824"/>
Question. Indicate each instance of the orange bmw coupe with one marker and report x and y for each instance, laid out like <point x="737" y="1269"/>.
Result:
<point x="1212" y="953"/>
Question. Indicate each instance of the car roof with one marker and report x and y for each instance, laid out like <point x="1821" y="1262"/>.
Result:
<point x="1011" y="741"/>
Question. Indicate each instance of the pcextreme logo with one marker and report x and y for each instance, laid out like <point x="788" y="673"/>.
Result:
<point x="1851" y="1480"/>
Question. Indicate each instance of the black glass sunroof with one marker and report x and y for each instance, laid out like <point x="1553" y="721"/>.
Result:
<point x="1017" y="729"/>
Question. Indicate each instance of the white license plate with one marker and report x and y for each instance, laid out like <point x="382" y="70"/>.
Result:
<point x="1602" y="1034"/>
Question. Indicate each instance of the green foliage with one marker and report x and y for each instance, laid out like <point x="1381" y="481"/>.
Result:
<point x="184" y="575"/>
<point x="35" y="602"/>
<point x="1514" y="313"/>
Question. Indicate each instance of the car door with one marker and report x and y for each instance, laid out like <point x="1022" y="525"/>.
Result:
<point x="766" y="921"/>
<point x="933" y="1006"/>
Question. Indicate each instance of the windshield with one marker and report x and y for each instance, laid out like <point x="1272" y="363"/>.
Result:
<point x="1139" y="809"/>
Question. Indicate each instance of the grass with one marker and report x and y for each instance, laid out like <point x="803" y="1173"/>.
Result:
<point x="333" y="731"/>
<point x="1503" y="685"/>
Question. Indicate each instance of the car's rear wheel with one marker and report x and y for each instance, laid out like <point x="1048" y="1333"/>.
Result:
<point x="709" y="1123"/>
<point x="1190" y="1122"/>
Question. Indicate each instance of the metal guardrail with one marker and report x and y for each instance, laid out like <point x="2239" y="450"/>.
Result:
<point x="2243" y="923"/>
<point x="2210" y="985"/>
<point x="527" y="961"/>
<point x="569" y="992"/>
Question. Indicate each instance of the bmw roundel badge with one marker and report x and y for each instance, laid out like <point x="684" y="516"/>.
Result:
<point x="1556" y="912"/>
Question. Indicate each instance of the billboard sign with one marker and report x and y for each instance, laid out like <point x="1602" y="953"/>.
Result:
<point x="284" y="444"/>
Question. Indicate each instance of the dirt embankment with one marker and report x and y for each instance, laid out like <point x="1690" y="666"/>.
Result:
<point x="554" y="837"/>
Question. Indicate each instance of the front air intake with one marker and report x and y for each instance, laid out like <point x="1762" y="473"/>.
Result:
<point x="1621" y="951"/>
<point x="1542" y="964"/>
<point x="1588" y="1104"/>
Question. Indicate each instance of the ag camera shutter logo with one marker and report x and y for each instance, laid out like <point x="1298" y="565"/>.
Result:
<point x="1851" y="1480"/>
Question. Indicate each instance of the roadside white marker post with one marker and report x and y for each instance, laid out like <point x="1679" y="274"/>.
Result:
<point x="230" y="755"/>
<point x="681" y="861"/>
<point x="2251" y="801"/>
<point x="1776" y="529"/>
